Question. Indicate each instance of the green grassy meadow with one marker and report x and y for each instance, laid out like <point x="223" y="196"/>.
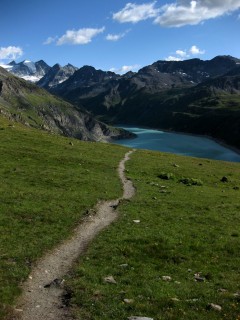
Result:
<point x="187" y="227"/>
<point x="188" y="231"/>
<point x="48" y="183"/>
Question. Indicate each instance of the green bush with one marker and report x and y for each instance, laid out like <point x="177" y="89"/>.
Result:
<point x="191" y="181"/>
<point x="166" y="176"/>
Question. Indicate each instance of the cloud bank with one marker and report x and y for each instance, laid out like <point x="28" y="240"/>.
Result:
<point x="10" y="53"/>
<point x="178" y="13"/>
<point x="81" y="36"/>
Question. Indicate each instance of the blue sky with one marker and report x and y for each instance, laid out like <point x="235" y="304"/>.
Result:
<point x="118" y="35"/>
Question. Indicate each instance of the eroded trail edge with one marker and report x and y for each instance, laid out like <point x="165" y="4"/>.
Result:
<point x="43" y="291"/>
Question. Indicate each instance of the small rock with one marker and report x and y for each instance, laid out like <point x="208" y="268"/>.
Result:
<point x="71" y="144"/>
<point x="30" y="277"/>
<point x="197" y="277"/>
<point x="136" y="221"/>
<point x="224" y="179"/>
<point x="222" y="290"/>
<point x="166" y="278"/>
<point x="176" y="165"/>
<point x="110" y="279"/>
<point x="128" y="301"/>
<point x="55" y="283"/>
<point x="38" y="306"/>
<point x="192" y="300"/>
<point x="215" y="307"/>
<point x="124" y="265"/>
<point x="175" y="299"/>
<point x="236" y="295"/>
<point x="19" y="310"/>
<point x="139" y="318"/>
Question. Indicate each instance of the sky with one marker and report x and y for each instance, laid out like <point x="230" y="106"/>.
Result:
<point x="117" y="35"/>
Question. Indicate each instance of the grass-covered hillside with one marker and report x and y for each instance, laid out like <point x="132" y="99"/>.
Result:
<point x="174" y="252"/>
<point x="48" y="183"/>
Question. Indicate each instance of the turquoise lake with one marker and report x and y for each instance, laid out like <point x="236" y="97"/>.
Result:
<point x="187" y="145"/>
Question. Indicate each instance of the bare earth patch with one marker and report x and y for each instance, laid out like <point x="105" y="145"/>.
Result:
<point x="44" y="289"/>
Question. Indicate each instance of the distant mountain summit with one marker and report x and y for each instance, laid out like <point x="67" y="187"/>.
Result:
<point x="56" y="75"/>
<point x="28" y="70"/>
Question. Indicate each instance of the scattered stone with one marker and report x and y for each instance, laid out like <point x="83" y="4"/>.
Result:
<point x="192" y="300"/>
<point x="19" y="310"/>
<point x="38" y="306"/>
<point x="213" y="306"/>
<point x="224" y="179"/>
<point x="189" y="270"/>
<point x="154" y="198"/>
<point x="30" y="277"/>
<point x="128" y="301"/>
<point x="176" y="165"/>
<point x="166" y="278"/>
<point x="200" y="164"/>
<point x="236" y="295"/>
<point x="124" y="265"/>
<point x="110" y="279"/>
<point x="198" y="277"/>
<point x="139" y="318"/>
<point x="71" y="144"/>
<point x="175" y="299"/>
<point x="55" y="283"/>
<point x="136" y="221"/>
<point x="222" y="290"/>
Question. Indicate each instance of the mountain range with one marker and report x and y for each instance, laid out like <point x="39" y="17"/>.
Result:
<point x="192" y="96"/>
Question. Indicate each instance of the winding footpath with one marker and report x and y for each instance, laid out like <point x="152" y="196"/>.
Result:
<point x="43" y="291"/>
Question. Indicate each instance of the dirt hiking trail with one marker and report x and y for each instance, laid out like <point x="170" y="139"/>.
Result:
<point x="42" y="297"/>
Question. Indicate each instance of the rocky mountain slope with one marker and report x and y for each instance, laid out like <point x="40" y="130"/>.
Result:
<point x="27" y="103"/>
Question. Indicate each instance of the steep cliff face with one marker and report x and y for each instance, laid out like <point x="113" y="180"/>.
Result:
<point x="33" y="106"/>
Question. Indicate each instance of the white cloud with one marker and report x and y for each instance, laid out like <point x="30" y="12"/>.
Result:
<point x="116" y="37"/>
<point x="50" y="40"/>
<point x="194" y="50"/>
<point x="125" y="69"/>
<point x="182" y="53"/>
<point x="172" y="58"/>
<point x="186" y="12"/>
<point x="81" y="36"/>
<point x="11" y="52"/>
<point x="134" y="13"/>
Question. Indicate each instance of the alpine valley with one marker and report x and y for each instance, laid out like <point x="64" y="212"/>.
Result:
<point x="193" y="96"/>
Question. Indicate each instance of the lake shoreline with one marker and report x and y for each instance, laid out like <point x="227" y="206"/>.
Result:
<point x="205" y="149"/>
<point x="221" y="142"/>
